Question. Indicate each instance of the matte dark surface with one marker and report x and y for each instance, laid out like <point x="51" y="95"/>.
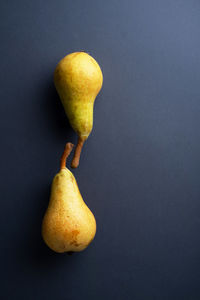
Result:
<point x="140" y="169"/>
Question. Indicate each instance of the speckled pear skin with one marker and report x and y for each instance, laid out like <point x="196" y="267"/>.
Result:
<point x="68" y="224"/>
<point x="78" y="79"/>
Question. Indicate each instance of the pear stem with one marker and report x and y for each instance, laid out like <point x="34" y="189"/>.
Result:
<point x="76" y="158"/>
<point x="66" y="153"/>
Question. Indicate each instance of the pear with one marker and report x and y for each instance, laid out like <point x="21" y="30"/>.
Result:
<point x="78" y="79"/>
<point x="68" y="224"/>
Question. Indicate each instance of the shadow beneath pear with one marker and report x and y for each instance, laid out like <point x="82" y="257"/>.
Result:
<point x="33" y="250"/>
<point x="36" y="252"/>
<point x="40" y="256"/>
<point x="56" y="119"/>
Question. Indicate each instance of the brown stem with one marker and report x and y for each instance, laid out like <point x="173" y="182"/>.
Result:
<point x="66" y="153"/>
<point x="76" y="158"/>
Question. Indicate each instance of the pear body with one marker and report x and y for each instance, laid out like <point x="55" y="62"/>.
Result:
<point x="78" y="79"/>
<point x="68" y="224"/>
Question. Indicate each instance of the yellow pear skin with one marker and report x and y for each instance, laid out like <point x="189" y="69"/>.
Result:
<point x="78" y="79"/>
<point x="68" y="224"/>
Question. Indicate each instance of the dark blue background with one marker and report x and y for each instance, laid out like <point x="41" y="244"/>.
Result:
<point x="140" y="169"/>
